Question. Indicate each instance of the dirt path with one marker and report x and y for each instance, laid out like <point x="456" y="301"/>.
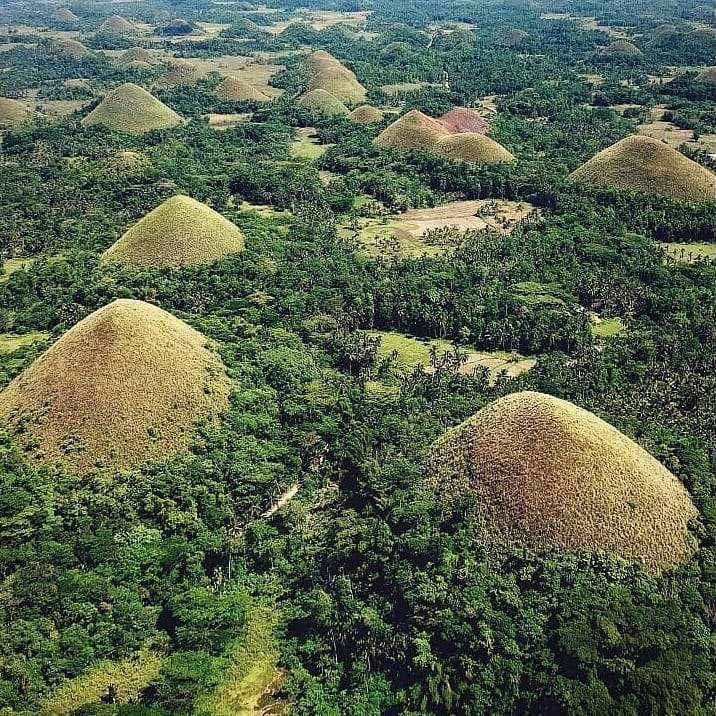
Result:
<point x="285" y="498"/>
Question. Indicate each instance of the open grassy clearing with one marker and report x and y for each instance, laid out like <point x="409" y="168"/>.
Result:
<point x="688" y="253"/>
<point x="675" y="137"/>
<point x="606" y="327"/>
<point x="306" y="144"/>
<point x="11" y="265"/>
<point x="412" y="352"/>
<point x="402" y="87"/>
<point x="227" y="121"/>
<point x="10" y="342"/>
<point x="408" y="235"/>
<point x="128" y="678"/>
<point x="248" y="685"/>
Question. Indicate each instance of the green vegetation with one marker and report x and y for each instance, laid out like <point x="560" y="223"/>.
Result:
<point x="220" y="500"/>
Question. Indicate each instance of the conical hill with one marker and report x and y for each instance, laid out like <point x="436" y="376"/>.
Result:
<point x="639" y="163"/>
<point x="179" y="232"/>
<point x="70" y="48"/>
<point x="472" y="148"/>
<point x="126" y="385"/>
<point x="238" y="90"/>
<point x="547" y="474"/>
<point x="131" y="109"/>
<point x="64" y="14"/>
<point x="324" y="102"/>
<point x="340" y="82"/>
<point x="462" y="119"/>
<point x="366" y="114"/>
<point x="412" y="131"/>
<point x="707" y="76"/>
<point x="137" y="54"/>
<point x="116" y="23"/>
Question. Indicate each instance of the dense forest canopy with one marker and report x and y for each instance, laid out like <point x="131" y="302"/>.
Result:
<point x="335" y="305"/>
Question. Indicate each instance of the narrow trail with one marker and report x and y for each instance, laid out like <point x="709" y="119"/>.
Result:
<point x="284" y="499"/>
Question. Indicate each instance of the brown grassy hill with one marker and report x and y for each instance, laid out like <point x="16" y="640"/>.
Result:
<point x="116" y="23"/>
<point x="70" y="48"/>
<point x="514" y="38"/>
<point x="13" y="113"/>
<point x="550" y="474"/>
<point x="621" y="48"/>
<point x="472" y="148"/>
<point x="137" y="54"/>
<point x="640" y="163"/>
<point x="462" y="119"/>
<point x="708" y="76"/>
<point x="238" y="90"/>
<point x="181" y="72"/>
<point x="412" y="131"/>
<point x="340" y="82"/>
<point x="320" y="60"/>
<point x="131" y="109"/>
<point x="179" y="232"/>
<point x="64" y="14"/>
<point x="126" y="385"/>
<point x="366" y="114"/>
<point x="321" y="101"/>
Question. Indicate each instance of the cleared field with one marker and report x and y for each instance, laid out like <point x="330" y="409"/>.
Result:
<point x="10" y="342"/>
<point x="11" y="265"/>
<point x="403" y="87"/>
<point x="412" y="234"/>
<point x="688" y="253"/>
<point x="606" y="327"/>
<point x="412" y="352"/>
<point x="227" y="121"/>
<point x="306" y="144"/>
<point x="675" y="137"/>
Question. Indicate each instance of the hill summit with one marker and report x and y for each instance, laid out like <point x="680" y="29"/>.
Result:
<point x="413" y="131"/>
<point x="463" y="119"/>
<point x="472" y="148"/>
<point x="131" y="109"/>
<point x="320" y="100"/>
<point x="64" y="14"/>
<point x="126" y="385"/>
<point x="117" y="23"/>
<point x="548" y="474"/>
<point x="238" y="90"/>
<point x="179" y="232"/>
<point x="639" y="163"/>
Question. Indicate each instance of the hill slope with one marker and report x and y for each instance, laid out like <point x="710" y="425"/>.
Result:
<point x="321" y="101"/>
<point x="238" y="90"/>
<point x="126" y="385"/>
<point x="472" y="148"/>
<point x="550" y="474"/>
<point x="13" y="113"/>
<point x="639" y="163"/>
<point x="131" y="109"/>
<point x="413" y="131"/>
<point x="179" y="232"/>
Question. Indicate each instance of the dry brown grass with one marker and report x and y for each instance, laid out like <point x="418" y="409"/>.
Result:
<point x="340" y="82"/>
<point x="462" y="119"/>
<point x="321" y="101"/>
<point x="366" y="114"/>
<point x="131" y="109"/>
<point x="13" y="114"/>
<point x="70" y="48"/>
<point x="181" y="72"/>
<point x="179" y="232"/>
<point x="238" y="90"/>
<point x="116" y="23"/>
<point x="321" y="60"/>
<point x="550" y="474"/>
<point x="640" y="163"/>
<point x="621" y="48"/>
<point x="472" y="148"/>
<point x="125" y="386"/>
<point x="412" y="131"/>
<point x="63" y="14"/>
<point x="137" y="54"/>
<point x="128" y="162"/>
